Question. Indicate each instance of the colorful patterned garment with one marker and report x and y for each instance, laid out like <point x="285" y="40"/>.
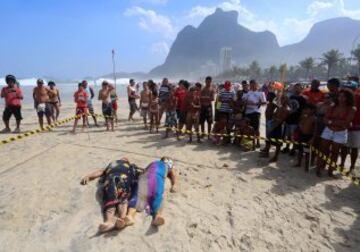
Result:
<point x="151" y="187"/>
<point x="120" y="183"/>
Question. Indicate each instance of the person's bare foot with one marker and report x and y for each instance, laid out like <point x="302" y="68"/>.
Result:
<point x="158" y="221"/>
<point x="17" y="131"/>
<point x="6" y="130"/>
<point x="129" y="220"/>
<point x="174" y="189"/>
<point x="106" y="227"/>
<point x="120" y="223"/>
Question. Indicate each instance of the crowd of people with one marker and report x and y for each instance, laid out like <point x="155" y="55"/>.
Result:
<point x="307" y="119"/>
<point x="304" y="120"/>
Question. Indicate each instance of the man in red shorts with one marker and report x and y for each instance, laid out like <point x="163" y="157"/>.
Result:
<point x="80" y="98"/>
<point x="13" y="96"/>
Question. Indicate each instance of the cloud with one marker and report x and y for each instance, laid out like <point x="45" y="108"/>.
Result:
<point x="315" y="7"/>
<point x="151" y="21"/>
<point x="160" y="49"/>
<point x="354" y="13"/>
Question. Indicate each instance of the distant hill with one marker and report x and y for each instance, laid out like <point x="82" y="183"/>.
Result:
<point x="337" y="33"/>
<point x="196" y="47"/>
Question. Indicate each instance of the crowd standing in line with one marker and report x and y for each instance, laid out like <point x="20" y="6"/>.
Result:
<point x="224" y="113"/>
<point x="327" y="121"/>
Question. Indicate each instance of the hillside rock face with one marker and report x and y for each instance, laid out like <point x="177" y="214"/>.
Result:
<point x="194" y="47"/>
<point x="338" y="33"/>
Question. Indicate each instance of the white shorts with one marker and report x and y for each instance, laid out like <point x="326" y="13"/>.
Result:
<point x="353" y="139"/>
<point x="340" y="137"/>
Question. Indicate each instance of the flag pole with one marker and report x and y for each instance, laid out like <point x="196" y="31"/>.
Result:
<point x="114" y="66"/>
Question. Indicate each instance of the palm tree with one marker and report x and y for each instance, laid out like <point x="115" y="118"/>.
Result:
<point x="331" y="59"/>
<point x="356" y="54"/>
<point x="272" y="72"/>
<point x="308" y="65"/>
<point x="254" y="70"/>
<point x="283" y="71"/>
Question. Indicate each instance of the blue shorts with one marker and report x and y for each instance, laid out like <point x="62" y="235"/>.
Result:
<point x="171" y="119"/>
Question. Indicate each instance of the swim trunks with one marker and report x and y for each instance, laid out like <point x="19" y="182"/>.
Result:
<point x="206" y="114"/>
<point x="171" y="119"/>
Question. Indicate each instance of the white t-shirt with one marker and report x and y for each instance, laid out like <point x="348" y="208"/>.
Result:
<point x="254" y="97"/>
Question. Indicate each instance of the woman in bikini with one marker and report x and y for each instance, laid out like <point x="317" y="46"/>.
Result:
<point x="54" y="100"/>
<point x="337" y="121"/>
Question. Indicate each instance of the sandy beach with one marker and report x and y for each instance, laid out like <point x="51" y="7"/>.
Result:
<point x="227" y="200"/>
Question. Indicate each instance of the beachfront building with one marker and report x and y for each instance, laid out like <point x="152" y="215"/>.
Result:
<point x="225" y="59"/>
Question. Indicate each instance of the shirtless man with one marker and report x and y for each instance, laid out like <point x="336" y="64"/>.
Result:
<point x="206" y="114"/>
<point x="276" y="130"/>
<point x="41" y="102"/>
<point x="145" y="103"/>
<point x="104" y="97"/>
<point x="307" y="127"/>
<point x="193" y="106"/>
<point x="132" y="96"/>
<point x="171" y="117"/>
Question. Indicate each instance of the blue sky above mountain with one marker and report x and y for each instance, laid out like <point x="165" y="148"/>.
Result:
<point x="74" y="38"/>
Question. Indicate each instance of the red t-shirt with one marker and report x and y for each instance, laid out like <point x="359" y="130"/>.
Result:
<point x="180" y="94"/>
<point x="356" y="122"/>
<point x="81" y="98"/>
<point x="314" y="97"/>
<point x="12" y="96"/>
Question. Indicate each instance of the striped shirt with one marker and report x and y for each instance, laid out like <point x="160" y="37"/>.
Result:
<point x="164" y="93"/>
<point x="224" y="101"/>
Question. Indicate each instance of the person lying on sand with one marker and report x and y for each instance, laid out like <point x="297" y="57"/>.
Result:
<point x="151" y="188"/>
<point x="119" y="180"/>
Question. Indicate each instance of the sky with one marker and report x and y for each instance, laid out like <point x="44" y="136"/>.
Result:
<point x="74" y="38"/>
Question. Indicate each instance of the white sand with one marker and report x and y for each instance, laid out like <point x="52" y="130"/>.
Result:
<point x="247" y="206"/>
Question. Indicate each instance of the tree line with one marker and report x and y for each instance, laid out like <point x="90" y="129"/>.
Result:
<point x="331" y="64"/>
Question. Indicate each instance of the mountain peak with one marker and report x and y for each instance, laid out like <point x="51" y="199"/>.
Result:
<point x="221" y="16"/>
<point x="194" y="48"/>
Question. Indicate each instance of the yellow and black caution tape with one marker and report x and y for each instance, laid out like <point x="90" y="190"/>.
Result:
<point x="338" y="168"/>
<point x="37" y="131"/>
<point x="318" y="153"/>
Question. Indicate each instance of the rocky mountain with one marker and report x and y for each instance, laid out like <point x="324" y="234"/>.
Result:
<point x="337" y="33"/>
<point x="196" y="47"/>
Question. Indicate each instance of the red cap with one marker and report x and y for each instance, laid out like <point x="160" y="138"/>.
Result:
<point x="227" y="85"/>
